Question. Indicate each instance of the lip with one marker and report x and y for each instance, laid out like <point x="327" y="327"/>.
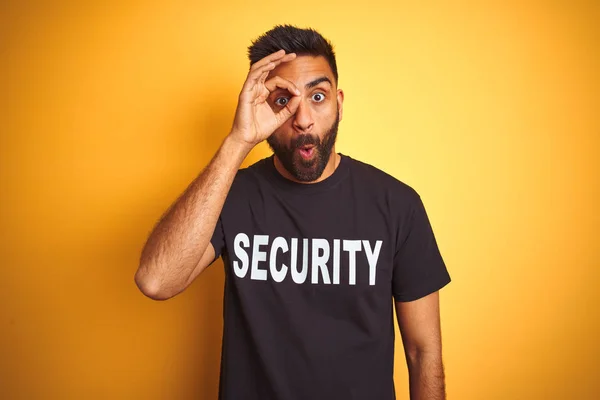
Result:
<point x="306" y="152"/>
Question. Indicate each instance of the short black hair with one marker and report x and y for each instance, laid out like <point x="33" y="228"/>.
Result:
<point x="293" y="40"/>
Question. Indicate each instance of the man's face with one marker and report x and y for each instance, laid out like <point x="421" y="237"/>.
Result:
<point x="306" y="140"/>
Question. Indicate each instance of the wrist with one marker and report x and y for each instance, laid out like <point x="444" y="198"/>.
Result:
<point x="234" y="144"/>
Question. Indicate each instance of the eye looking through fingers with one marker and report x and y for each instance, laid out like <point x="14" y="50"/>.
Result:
<point x="281" y="91"/>
<point x="281" y="101"/>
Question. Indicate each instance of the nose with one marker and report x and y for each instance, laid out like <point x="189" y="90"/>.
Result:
<point x="303" y="119"/>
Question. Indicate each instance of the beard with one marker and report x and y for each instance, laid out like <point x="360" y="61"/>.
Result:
<point x="301" y="169"/>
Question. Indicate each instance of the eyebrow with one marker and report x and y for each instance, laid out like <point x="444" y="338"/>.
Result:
<point x="314" y="83"/>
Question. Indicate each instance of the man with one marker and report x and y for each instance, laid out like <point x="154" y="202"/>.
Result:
<point x="315" y="245"/>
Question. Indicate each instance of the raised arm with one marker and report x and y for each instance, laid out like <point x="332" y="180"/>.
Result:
<point x="419" y="323"/>
<point x="179" y="249"/>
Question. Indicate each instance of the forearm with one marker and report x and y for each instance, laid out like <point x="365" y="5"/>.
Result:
<point x="182" y="235"/>
<point x="426" y="376"/>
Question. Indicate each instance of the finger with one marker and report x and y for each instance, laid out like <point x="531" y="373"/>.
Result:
<point x="279" y="82"/>
<point x="254" y="76"/>
<point x="263" y="77"/>
<point x="256" y="73"/>
<point x="265" y="60"/>
<point x="289" y="110"/>
<point x="288" y="57"/>
<point x="278" y="57"/>
<point x="270" y="65"/>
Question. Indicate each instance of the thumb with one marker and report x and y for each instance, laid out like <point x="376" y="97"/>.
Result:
<point x="289" y="110"/>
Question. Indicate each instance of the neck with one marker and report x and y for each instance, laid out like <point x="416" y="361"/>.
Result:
<point x="332" y="164"/>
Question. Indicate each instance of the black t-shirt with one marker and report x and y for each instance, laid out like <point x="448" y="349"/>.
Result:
<point x="310" y="274"/>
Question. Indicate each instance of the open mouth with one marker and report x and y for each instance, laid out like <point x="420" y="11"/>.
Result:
<point x="306" y="151"/>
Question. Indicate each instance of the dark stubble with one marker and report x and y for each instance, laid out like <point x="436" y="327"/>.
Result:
<point x="301" y="169"/>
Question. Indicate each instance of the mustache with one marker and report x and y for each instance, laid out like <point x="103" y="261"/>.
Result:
<point x="304" y="140"/>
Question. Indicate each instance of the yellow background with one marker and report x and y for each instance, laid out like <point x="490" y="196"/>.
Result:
<point x="490" y="110"/>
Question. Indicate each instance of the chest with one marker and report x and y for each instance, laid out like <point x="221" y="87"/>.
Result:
<point x="342" y="242"/>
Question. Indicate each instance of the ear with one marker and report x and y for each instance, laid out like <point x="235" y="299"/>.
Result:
<point x="340" y="101"/>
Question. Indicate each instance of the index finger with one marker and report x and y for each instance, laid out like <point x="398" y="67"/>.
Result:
<point x="278" y="82"/>
<point x="278" y="55"/>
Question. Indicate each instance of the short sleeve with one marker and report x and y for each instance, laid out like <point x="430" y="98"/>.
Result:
<point x="419" y="268"/>
<point x="218" y="239"/>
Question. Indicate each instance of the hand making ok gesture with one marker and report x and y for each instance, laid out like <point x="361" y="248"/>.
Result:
<point x="255" y="120"/>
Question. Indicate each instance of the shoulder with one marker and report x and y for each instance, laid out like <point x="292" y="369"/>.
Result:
<point x="251" y="173"/>
<point x="376" y="180"/>
<point x="250" y="181"/>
